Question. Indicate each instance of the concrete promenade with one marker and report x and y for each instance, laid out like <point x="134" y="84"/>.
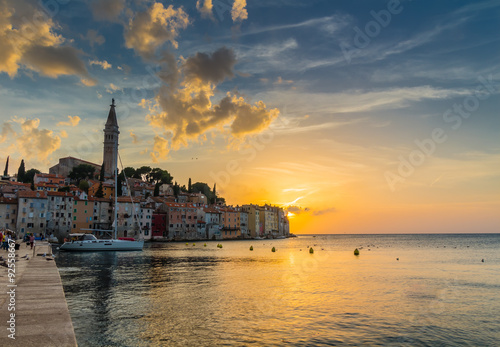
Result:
<point x="41" y="312"/>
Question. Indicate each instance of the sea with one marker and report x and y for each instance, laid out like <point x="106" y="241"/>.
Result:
<point x="401" y="290"/>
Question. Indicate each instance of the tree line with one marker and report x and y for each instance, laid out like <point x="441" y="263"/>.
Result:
<point x="81" y="174"/>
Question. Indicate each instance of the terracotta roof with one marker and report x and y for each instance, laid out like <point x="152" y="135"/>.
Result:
<point x="60" y="194"/>
<point x="32" y="195"/>
<point x="83" y="161"/>
<point x="4" y="200"/>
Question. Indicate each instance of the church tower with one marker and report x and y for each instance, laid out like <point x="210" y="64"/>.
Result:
<point x="111" y="133"/>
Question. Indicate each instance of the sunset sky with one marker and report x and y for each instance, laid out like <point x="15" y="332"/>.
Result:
<point x="358" y="116"/>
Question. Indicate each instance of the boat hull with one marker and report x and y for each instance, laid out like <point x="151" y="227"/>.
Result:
<point x="102" y="245"/>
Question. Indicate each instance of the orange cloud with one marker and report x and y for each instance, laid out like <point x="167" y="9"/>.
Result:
<point x="184" y="105"/>
<point x="150" y="29"/>
<point x="205" y="8"/>
<point x="73" y="122"/>
<point x="27" y="38"/>
<point x="239" y="12"/>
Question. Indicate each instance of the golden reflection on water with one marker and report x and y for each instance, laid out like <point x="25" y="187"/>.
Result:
<point x="205" y="296"/>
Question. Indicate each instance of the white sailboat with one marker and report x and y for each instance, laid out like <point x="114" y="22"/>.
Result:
<point x="88" y="242"/>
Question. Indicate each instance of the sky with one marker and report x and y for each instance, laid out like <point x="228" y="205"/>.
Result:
<point x="355" y="116"/>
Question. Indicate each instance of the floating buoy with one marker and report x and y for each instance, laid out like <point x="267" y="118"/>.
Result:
<point x="187" y="244"/>
<point x="273" y="249"/>
<point x="397" y="259"/>
<point x="356" y="252"/>
<point x="311" y="250"/>
<point x="482" y="260"/>
<point x="251" y="248"/>
<point x="194" y="244"/>
<point x="205" y="245"/>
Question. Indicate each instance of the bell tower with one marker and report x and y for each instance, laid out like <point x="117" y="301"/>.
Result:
<point x="110" y="157"/>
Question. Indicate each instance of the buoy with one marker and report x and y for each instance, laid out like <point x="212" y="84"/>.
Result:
<point x="273" y="249"/>
<point x="251" y="248"/>
<point x="397" y="259"/>
<point x="311" y="250"/>
<point x="205" y="245"/>
<point x="187" y="244"/>
<point x="482" y="260"/>
<point x="356" y="252"/>
<point x="194" y="244"/>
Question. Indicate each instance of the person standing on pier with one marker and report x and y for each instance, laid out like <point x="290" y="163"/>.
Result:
<point x="32" y="240"/>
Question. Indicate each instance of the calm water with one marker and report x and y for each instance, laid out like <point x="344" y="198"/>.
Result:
<point x="439" y="293"/>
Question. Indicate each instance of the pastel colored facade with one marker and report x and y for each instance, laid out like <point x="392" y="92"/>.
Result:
<point x="8" y="213"/>
<point x="181" y="220"/>
<point x="31" y="212"/>
<point x="83" y="216"/>
<point x="254" y="225"/>
<point x="59" y="214"/>
<point x="146" y="219"/>
<point x="159" y="225"/>
<point x="211" y="217"/>
<point x="65" y="165"/>
<point x="230" y="222"/>
<point x="243" y="215"/>
<point x="128" y="217"/>
<point x="47" y="187"/>
<point x="267" y="220"/>
<point x="108" y="189"/>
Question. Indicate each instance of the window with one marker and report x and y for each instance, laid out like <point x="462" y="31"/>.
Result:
<point x="146" y="232"/>
<point x="30" y="225"/>
<point x="41" y="225"/>
<point x="74" y="226"/>
<point x="74" y="218"/>
<point x="31" y="205"/>
<point x="74" y="210"/>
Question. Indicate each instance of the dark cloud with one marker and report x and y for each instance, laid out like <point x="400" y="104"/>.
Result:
<point x="54" y="61"/>
<point x="215" y="67"/>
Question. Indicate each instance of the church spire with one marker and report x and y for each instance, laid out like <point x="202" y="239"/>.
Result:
<point x="111" y="134"/>
<point x="112" y="115"/>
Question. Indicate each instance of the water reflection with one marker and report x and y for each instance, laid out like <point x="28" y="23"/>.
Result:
<point x="173" y="294"/>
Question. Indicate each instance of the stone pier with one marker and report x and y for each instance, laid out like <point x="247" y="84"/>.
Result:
<point x="41" y="312"/>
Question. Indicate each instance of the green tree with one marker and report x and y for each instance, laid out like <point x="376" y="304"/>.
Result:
<point x="183" y="188"/>
<point x="157" y="189"/>
<point x="99" y="193"/>
<point x="214" y="195"/>
<point x="82" y="172"/>
<point x="64" y="189"/>
<point x="121" y="179"/>
<point x="21" y="172"/>
<point x="189" y="186"/>
<point x="84" y="185"/>
<point x="30" y="175"/>
<point x="101" y="176"/>
<point x="176" y="189"/>
<point x="129" y="172"/>
<point x="143" y="173"/>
